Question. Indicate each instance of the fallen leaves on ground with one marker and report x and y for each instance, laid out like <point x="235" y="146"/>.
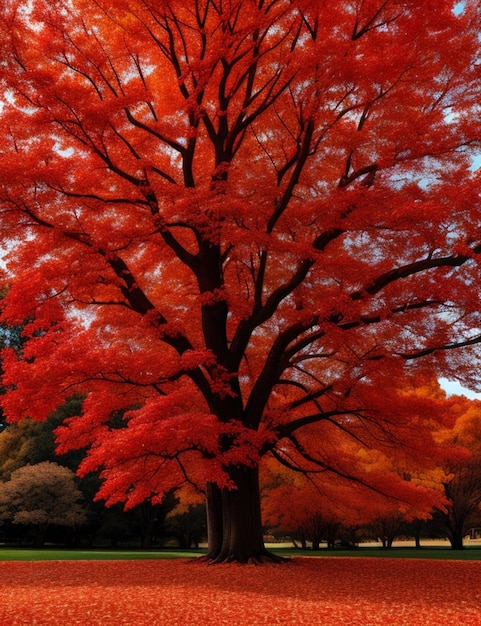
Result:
<point x="325" y="591"/>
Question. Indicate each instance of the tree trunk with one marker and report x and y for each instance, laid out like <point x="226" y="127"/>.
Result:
<point x="455" y="526"/>
<point x="332" y="530"/>
<point x="456" y="539"/>
<point x="214" y="521"/>
<point x="40" y="533"/>
<point x="236" y="535"/>
<point x="418" y="527"/>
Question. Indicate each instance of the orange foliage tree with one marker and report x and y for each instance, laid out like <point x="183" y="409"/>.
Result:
<point x="237" y="223"/>
<point x="463" y="484"/>
<point x="301" y="506"/>
<point x="372" y="483"/>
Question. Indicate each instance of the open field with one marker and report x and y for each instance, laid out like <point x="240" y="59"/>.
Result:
<point x="326" y="591"/>
<point x="429" y="550"/>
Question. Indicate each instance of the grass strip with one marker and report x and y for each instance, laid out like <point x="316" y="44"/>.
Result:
<point x="62" y="554"/>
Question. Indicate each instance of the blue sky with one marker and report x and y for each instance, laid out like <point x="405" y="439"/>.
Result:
<point x="452" y="387"/>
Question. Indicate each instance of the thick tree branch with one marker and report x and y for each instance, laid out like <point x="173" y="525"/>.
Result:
<point x="411" y="269"/>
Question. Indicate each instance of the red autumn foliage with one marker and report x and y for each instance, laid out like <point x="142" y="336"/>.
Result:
<point x="327" y="591"/>
<point x="243" y="225"/>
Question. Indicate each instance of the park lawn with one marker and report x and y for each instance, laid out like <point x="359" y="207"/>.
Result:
<point x="93" y="554"/>
<point x="471" y="553"/>
<point x="181" y="592"/>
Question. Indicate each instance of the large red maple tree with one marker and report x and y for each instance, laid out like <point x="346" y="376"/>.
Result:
<point x="233" y="225"/>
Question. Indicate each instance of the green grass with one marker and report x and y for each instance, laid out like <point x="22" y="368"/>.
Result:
<point x="61" y="554"/>
<point x="428" y="552"/>
<point x="56" y="554"/>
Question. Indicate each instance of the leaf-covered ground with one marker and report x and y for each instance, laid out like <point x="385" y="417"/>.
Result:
<point x="327" y="591"/>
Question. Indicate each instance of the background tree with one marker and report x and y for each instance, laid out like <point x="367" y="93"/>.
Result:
<point x="241" y="222"/>
<point x="464" y="494"/>
<point x="29" y="442"/>
<point x="40" y="496"/>
<point x="315" y="508"/>
<point x="463" y="477"/>
<point x="188" y="525"/>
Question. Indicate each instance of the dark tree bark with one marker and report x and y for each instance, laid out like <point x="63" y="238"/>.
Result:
<point x="234" y="520"/>
<point x="387" y="528"/>
<point x="464" y="494"/>
<point x="456" y="539"/>
<point x="417" y="528"/>
<point x="332" y="530"/>
<point x="214" y="520"/>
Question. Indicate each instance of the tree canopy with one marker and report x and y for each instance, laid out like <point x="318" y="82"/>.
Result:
<point x="246" y="225"/>
<point x="40" y="495"/>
